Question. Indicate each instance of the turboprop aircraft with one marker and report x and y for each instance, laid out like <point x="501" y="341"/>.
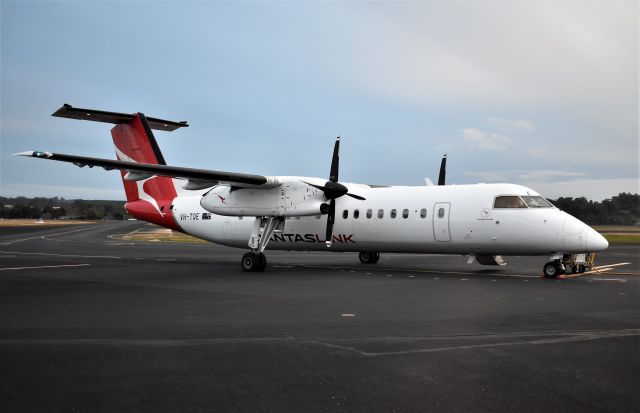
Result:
<point x="482" y="222"/>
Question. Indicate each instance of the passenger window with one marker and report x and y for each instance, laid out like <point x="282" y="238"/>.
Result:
<point x="510" y="201"/>
<point x="405" y="213"/>
<point x="423" y="213"/>
<point x="369" y="213"/>
<point x="393" y="213"/>
<point x="441" y="213"/>
<point x="356" y="214"/>
<point x="345" y="214"/>
<point x="380" y="213"/>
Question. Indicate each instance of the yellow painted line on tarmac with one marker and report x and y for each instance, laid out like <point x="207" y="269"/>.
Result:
<point x="611" y="265"/>
<point x="596" y="271"/>
<point x="584" y="273"/>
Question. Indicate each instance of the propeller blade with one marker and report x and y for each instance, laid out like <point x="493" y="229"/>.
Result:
<point x="331" y="216"/>
<point x="332" y="190"/>
<point x="335" y="161"/>
<point x="315" y="186"/>
<point x="358" y="197"/>
<point x="443" y="170"/>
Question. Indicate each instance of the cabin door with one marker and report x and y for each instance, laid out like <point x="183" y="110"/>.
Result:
<point x="441" y="221"/>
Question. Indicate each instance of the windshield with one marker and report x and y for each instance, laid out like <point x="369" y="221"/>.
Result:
<point x="536" y="202"/>
<point x="509" y="201"/>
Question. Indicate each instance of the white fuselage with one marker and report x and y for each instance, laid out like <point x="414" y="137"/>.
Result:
<point x="452" y="219"/>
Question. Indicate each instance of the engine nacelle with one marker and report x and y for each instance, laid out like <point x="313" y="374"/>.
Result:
<point x="287" y="200"/>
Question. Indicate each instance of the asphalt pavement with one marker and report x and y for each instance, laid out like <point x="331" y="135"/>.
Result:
<point x="90" y="322"/>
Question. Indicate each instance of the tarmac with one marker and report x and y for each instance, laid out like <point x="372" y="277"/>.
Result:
<point x="89" y="322"/>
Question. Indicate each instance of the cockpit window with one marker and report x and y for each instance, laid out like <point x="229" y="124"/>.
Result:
<point x="509" y="201"/>
<point x="536" y="202"/>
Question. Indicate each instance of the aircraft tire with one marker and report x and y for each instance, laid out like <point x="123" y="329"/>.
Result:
<point x="551" y="270"/>
<point x="250" y="262"/>
<point x="262" y="262"/>
<point x="368" y="257"/>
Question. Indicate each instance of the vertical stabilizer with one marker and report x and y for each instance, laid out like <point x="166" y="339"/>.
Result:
<point x="148" y="198"/>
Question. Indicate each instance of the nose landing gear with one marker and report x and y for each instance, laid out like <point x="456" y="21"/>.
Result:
<point x="553" y="269"/>
<point x="577" y="263"/>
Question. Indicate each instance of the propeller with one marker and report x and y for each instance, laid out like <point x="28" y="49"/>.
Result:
<point x="443" y="170"/>
<point x="333" y="190"/>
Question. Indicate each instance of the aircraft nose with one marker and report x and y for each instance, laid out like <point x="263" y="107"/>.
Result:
<point x="595" y="241"/>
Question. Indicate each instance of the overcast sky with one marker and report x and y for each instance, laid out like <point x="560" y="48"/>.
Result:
<point x="539" y="93"/>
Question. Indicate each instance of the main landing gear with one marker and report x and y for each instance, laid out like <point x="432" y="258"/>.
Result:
<point x="368" y="257"/>
<point x="254" y="262"/>
<point x="263" y="228"/>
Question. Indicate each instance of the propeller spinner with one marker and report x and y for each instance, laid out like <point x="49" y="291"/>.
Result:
<point x="333" y="190"/>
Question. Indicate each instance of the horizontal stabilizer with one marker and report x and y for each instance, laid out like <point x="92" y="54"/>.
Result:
<point x="68" y="111"/>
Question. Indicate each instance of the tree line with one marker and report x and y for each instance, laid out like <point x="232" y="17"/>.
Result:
<point x="60" y="208"/>
<point x="622" y="209"/>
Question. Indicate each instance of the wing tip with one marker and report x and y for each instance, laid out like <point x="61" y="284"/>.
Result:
<point x="34" y="154"/>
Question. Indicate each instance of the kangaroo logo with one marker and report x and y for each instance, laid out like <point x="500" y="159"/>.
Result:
<point x="222" y="199"/>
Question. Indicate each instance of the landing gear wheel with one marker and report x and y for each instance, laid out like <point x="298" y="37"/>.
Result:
<point x="368" y="257"/>
<point x="551" y="270"/>
<point x="263" y="262"/>
<point x="252" y="262"/>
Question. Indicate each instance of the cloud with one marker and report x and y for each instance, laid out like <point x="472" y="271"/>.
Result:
<point x="509" y="124"/>
<point x="593" y="189"/>
<point x="539" y="175"/>
<point x="486" y="140"/>
<point x="548" y="175"/>
<point x="557" y="183"/>
<point x="525" y="52"/>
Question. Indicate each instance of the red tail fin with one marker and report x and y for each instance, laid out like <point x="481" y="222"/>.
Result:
<point x="148" y="199"/>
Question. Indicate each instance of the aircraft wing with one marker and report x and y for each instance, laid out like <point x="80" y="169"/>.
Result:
<point x="198" y="178"/>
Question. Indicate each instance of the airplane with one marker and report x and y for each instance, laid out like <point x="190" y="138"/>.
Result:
<point x="483" y="222"/>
